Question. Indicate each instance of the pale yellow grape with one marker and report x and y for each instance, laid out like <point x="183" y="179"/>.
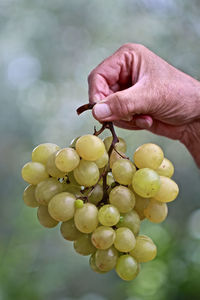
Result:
<point x="69" y="230"/>
<point x="156" y="211"/>
<point x="42" y="152"/>
<point x="93" y="265"/>
<point x="146" y="182"/>
<point x="44" y="217"/>
<point x="96" y="195"/>
<point x="62" y="206"/>
<point x="83" y="245"/>
<point x="86" y="218"/>
<point x="168" y="190"/>
<point x="52" y="169"/>
<point x="90" y="147"/>
<point x="34" y="172"/>
<point x="148" y="156"/>
<point x="87" y="173"/>
<point x="124" y="240"/>
<point x="140" y="204"/>
<point x="106" y="259"/>
<point x="120" y="146"/>
<point x="115" y="156"/>
<point x="46" y="189"/>
<point x="130" y="220"/>
<point x="123" y="198"/>
<point x="29" y="196"/>
<point x="67" y="159"/>
<point x="144" y="250"/>
<point x="166" y="168"/>
<point x="123" y="170"/>
<point x="108" y="215"/>
<point x="127" y="267"/>
<point x="103" y="237"/>
<point x="102" y="161"/>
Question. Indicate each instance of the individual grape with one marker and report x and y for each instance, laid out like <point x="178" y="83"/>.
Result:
<point x="52" y="169"/>
<point x="73" y="189"/>
<point x="79" y="203"/>
<point x="146" y="182"/>
<point x="96" y="195"/>
<point x="102" y="161"/>
<point x="119" y="146"/>
<point x="67" y="159"/>
<point x="140" y="204"/>
<point x="44" y="217"/>
<point x="73" y="142"/>
<point x="83" y="245"/>
<point x="29" y="196"/>
<point x="72" y="179"/>
<point x="109" y="178"/>
<point x="168" y="190"/>
<point x="106" y="259"/>
<point x="108" y="215"/>
<point x="156" y="211"/>
<point x="46" y="189"/>
<point x="144" y="250"/>
<point x="103" y="237"/>
<point x="148" y="156"/>
<point x="87" y="173"/>
<point x="166" y="168"/>
<point x="86" y="218"/>
<point x="93" y="265"/>
<point x="90" y="147"/>
<point x="127" y="267"/>
<point x="62" y="206"/>
<point x="123" y="170"/>
<point x="130" y="220"/>
<point x="42" y="152"/>
<point x="69" y="230"/>
<point x="115" y="156"/>
<point x="123" y="198"/>
<point x="125" y="239"/>
<point x="34" y="172"/>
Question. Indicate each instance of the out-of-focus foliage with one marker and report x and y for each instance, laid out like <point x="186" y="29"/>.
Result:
<point x="47" y="50"/>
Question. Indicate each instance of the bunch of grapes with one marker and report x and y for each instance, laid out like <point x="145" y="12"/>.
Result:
<point x="100" y="197"/>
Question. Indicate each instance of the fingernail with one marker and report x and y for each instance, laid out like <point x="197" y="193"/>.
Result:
<point x="102" y="111"/>
<point x="143" y="123"/>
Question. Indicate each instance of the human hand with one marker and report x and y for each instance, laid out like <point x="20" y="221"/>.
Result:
<point x="137" y="89"/>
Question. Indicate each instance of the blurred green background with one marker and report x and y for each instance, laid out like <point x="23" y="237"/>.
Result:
<point x="47" y="49"/>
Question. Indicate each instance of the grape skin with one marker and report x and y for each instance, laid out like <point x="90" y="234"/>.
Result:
<point x="86" y="218"/>
<point x="103" y="237"/>
<point x="83" y="245"/>
<point x="127" y="267"/>
<point x="69" y="231"/>
<point x="130" y="220"/>
<point x="106" y="259"/>
<point x="42" y="152"/>
<point x="148" y="156"/>
<point x="156" y="211"/>
<point x="144" y="250"/>
<point x="46" y="189"/>
<point x="123" y="171"/>
<point x="87" y="173"/>
<point x="34" y="172"/>
<point x="125" y="239"/>
<point x="29" y="196"/>
<point x="44" y="217"/>
<point x="168" y="190"/>
<point x="119" y="146"/>
<point x="67" y="159"/>
<point x="166" y="168"/>
<point x="108" y="215"/>
<point x="90" y="147"/>
<point x="140" y="204"/>
<point x="123" y="198"/>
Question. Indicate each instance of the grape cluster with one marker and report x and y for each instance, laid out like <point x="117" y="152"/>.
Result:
<point x="100" y="197"/>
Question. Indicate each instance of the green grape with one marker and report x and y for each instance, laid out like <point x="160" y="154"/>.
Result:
<point x="140" y="204"/>
<point x="93" y="265"/>
<point x="148" y="156"/>
<point x="166" y="168"/>
<point x="52" y="169"/>
<point x="156" y="211"/>
<point x="109" y="178"/>
<point x="62" y="206"/>
<point x="102" y="161"/>
<point x="115" y="156"/>
<point x="86" y="218"/>
<point x="168" y="190"/>
<point x="43" y="151"/>
<point x="120" y="146"/>
<point x="46" y="189"/>
<point x="90" y="147"/>
<point x="72" y="179"/>
<point x="67" y="159"/>
<point x="29" y="196"/>
<point x="144" y="250"/>
<point x="96" y="195"/>
<point x="127" y="267"/>
<point x="73" y="189"/>
<point x="123" y="170"/>
<point x="83" y="245"/>
<point x="87" y="173"/>
<point x="130" y="220"/>
<point x="103" y="237"/>
<point x="79" y="203"/>
<point x="123" y="198"/>
<point x="34" y="172"/>
<point x="44" y="217"/>
<point x="69" y="230"/>
<point x="106" y="259"/>
<point x="73" y="142"/>
<point x="108" y="215"/>
<point x="146" y="182"/>
<point x="125" y="239"/>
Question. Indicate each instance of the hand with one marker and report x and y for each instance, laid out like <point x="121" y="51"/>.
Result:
<point x="138" y="90"/>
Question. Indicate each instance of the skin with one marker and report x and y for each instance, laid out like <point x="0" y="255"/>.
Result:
<point x="136" y="89"/>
